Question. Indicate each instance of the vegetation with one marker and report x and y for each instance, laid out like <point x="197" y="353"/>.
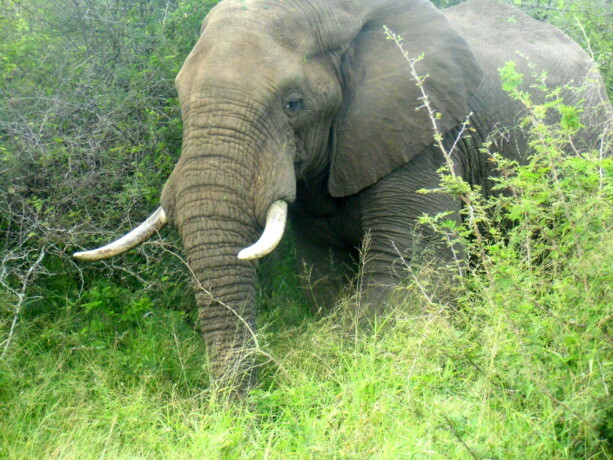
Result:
<point x="103" y="360"/>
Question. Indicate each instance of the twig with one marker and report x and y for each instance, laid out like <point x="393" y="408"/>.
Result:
<point x="458" y="437"/>
<point x="469" y="198"/>
<point x="21" y="298"/>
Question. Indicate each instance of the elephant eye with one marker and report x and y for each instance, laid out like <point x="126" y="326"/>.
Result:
<point x="294" y="106"/>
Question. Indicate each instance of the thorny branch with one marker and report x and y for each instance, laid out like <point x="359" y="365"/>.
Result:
<point x="20" y="294"/>
<point x="467" y="198"/>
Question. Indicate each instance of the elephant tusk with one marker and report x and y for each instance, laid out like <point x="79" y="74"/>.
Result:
<point x="137" y="236"/>
<point x="275" y="226"/>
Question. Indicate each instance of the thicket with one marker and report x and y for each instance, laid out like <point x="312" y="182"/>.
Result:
<point x="89" y="131"/>
<point x="102" y="359"/>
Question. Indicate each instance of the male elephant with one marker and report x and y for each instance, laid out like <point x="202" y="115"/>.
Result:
<point x="305" y="102"/>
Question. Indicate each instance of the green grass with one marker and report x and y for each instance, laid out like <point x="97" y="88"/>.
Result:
<point x="426" y="387"/>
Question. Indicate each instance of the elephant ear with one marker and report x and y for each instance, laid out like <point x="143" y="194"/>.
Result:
<point x="379" y="127"/>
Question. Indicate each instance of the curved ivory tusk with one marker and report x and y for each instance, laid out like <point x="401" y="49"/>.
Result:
<point x="275" y="226"/>
<point x="137" y="236"/>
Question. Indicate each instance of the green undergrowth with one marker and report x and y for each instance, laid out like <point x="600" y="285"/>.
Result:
<point x="501" y="378"/>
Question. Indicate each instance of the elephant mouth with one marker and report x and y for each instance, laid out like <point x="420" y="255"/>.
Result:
<point x="276" y="219"/>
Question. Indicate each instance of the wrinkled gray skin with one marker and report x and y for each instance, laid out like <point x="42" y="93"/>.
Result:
<point x="306" y="101"/>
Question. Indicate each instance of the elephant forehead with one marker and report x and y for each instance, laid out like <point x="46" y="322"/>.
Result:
<point x="305" y="27"/>
<point x="261" y="20"/>
<point x="248" y="61"/>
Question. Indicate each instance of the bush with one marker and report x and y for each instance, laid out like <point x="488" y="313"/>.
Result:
<point x="89" y="131"/>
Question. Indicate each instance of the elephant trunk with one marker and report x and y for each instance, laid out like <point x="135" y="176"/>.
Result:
<point x="224" y="285"/>
<point x="225" y="295"/>
<point x="221" y="192"/>
<point x="215" y="223"/>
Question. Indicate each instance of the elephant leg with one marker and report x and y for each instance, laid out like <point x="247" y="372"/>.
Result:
<point x="395" y="245"/>
<point x="325" y="270"/>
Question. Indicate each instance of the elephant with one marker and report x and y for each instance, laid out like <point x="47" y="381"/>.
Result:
<point x="303" y="109"/>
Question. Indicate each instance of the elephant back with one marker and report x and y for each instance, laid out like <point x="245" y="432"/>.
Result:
<point x="498" y="33"/>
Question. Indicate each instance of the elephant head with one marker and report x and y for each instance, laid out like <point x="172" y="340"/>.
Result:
<point x="280" y="93"/>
